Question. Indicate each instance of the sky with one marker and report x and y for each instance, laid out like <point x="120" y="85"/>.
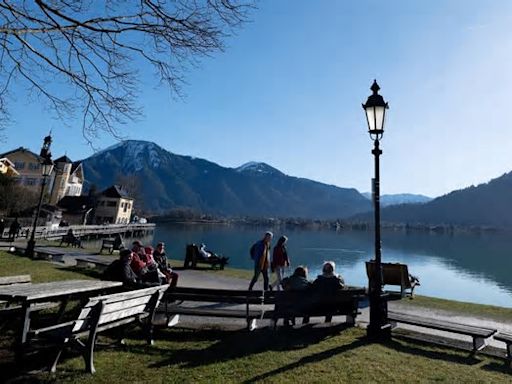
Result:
<point x="288" y="91"/>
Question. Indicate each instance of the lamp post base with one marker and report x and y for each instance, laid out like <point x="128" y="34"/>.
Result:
<point x="379" y="329"/>
<point x="29" y="251"/>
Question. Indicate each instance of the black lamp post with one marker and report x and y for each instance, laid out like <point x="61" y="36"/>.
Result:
<point x="47" y="168"/>
<point x="375" y="109"/>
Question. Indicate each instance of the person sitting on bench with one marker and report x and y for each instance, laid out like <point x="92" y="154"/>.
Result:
<point x="146" y="271"/>
<point x="328" y="282"/>
<point x="120" y="270"/>
<point x="297" y="282"/>
<point x="161" y="260"/>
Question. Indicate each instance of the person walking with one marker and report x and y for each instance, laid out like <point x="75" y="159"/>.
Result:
<point x="2" y="227"/>
<point x="260" y="254"/>
<point x="279" y="262"/>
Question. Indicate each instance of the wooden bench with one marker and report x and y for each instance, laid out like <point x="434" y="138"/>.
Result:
<point x="307" y="304"/>
<point x="100" y="314"/>
<point x="194" y="257"/>
<point x="395" y="274"/>
<point x="9" y="280"/>
<point x="71" y="239"/>
<point x="107" y="244"/>
<point x="217" y="296"/>
<point x="507" y="339"/>
<point x="480" y="335"/>
<point x="93" y="262"/>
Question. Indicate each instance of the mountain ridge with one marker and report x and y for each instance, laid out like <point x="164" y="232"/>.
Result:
<point x="168" y="181"/>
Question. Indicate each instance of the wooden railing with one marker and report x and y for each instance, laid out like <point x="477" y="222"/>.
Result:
<point x="49" y="233"/>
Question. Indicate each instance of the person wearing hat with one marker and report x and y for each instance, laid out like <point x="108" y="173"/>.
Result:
<point x="260" y="254"/>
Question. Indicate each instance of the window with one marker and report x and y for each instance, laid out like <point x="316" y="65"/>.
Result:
<point x="30" y="181"/>
<point x="19" y="164"/>
<point x="111" y="203"/>
<point x="34" y="166"/>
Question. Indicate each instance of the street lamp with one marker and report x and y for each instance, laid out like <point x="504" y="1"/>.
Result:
<point x="47" y="168"/>
<point x="375" y="110"/>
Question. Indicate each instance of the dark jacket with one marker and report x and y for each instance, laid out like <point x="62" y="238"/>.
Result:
<point x="296" y="283"/>
<point x="121" y="271"/>
<point x="328" y="284"/>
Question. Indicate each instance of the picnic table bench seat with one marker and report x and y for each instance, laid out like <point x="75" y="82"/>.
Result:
<point x="93" y="262"/>
<point x="8" y="310"/>
<point x="100" y="314"/>
<point x="480" y="335"/>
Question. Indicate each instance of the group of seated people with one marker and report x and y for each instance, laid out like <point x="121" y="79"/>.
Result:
<point x="141" y="267"/>
<point x="325" y="284"/>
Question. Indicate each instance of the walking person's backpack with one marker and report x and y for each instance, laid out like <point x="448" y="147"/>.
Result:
<point x="253" y="250"/>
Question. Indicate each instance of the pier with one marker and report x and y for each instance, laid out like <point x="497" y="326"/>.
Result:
<point x="89" y="232"/>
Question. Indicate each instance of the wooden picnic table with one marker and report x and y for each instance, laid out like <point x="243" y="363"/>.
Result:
<point x="29" y="295"/>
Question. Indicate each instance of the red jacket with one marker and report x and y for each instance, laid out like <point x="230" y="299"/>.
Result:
<point x="280" y="257"/>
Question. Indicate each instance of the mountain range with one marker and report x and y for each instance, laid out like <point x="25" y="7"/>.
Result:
<point x="487" y="204"/>
<point x="400" y="198"/>
<point x="166" y="181"/>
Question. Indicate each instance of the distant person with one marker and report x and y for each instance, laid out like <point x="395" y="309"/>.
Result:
<point x="260" y="255"/>
<point x="118" y="242"/>
<point x="14" y="229"/>
<point x="280" y="262"/>
<point x="2" y="227"/>
<point x="203" y="252"/>
<point x="328" y="282"/>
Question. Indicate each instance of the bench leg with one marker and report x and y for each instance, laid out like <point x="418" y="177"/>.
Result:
<point x="173" y="320"/>
<point x="53" y="367"/>
<point x="509" y="354"/>
<point x="89" y="354"/>
<point x="479" y="343"/>
<point x="351" y="320"/>
<point x="251" y="324"/>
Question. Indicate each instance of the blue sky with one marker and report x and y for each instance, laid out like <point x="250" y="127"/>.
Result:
<point x="289" y="87"/>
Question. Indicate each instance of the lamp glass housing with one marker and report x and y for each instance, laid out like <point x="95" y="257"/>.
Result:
<point x="47" y="167"/>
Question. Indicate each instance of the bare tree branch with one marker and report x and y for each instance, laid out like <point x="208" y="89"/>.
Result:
<point x="82" y="56"/>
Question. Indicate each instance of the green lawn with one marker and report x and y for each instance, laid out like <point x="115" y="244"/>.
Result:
<point x="317" y="354"/>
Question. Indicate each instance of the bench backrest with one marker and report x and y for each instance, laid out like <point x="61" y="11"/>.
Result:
<point x="392" y="274"/>
<point x="107" y="242"/>
<point x="342" y="302"/>
<point x="216" y="295"/>
<point x="118" y="306"/>
<point x="18" y="279"/>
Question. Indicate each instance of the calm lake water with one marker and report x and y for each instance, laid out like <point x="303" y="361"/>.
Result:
<point x="465" y="267"/>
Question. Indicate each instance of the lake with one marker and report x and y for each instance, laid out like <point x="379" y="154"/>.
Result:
<point x="465" y="267"/>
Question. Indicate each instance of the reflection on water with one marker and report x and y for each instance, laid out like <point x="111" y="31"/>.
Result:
<point x="474" y="268"/>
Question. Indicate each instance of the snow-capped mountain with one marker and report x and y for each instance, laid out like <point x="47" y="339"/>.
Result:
<point x="166" y="180"/>
<point x="255" y="167"/>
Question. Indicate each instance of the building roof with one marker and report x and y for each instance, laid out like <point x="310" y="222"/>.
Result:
<point x="75" y="165"/>
<point x="76" y="203"/>
<point x="21" y="149"/>
<point x="116" y="191"/>
<point x="63" y="159"/>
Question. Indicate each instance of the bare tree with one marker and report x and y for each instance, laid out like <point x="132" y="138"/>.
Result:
<point x="82" y="56"/>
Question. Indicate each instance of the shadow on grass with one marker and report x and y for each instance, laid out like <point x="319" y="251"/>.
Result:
<point x="421" y="348"/>
<point x="498" y="367"/>
<point x="229" y="345"/>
